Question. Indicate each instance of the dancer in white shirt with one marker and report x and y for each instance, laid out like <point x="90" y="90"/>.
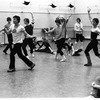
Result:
<point x="17" y="31"/>
<point x="78" y="28"/>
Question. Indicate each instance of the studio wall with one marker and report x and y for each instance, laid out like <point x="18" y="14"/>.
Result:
<point x="45" y="15"/>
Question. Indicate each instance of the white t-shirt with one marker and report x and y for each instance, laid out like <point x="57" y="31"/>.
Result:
<point x="97" y="29"/>
<point x="7" y="26"/>
<point x="78" y="27"/>
<point x="17" y="33"/>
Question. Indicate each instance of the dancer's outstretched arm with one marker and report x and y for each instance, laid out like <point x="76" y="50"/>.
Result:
<point x="90" y="18"/>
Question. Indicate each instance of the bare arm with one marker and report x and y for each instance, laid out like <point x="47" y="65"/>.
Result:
<point x="90" y="18"/>
<point x="68" y="18"/>
<point x="65" y="21"/>
<point x="2" y="30"/>
<point x="26" y="34"/>
<point x="32" y="23"/>
<point x="50" y="31"/>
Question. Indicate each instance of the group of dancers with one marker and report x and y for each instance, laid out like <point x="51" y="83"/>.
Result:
<point x="60" y="33"/>
<point x="19" y="37"/>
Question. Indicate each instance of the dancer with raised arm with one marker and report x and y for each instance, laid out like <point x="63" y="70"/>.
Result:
<point x="28" y="41"/>
<point x="60" y="35"/>
<point x="93" y="44"/>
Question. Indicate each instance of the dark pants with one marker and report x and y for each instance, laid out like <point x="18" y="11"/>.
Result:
<point x="79" y="37"/>
<point x="17" y="49"/>
<point x="28" y="41"/>
<point x="92" y="45"/>
<point x="9" y="45"/>
<point x="60" y="44"/>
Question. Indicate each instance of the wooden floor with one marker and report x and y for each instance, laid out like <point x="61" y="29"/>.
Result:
<point x="50" y="78"/>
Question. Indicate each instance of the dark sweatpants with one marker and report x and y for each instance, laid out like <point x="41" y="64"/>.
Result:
<point x="92" y="45"/>
<point x="17" y="49"/>
<point x="60" y="44"/>
<point x="9" y="45"/>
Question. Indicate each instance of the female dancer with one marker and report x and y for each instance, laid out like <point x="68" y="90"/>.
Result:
<point x="94" y="42"/>
<point x="78" y="28"/>
<point x="60" y="36"/>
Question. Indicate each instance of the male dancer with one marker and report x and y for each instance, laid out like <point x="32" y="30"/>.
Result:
<point x="17" y="31"/>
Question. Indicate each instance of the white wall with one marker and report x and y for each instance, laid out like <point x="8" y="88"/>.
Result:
<point x="45" y="15"/>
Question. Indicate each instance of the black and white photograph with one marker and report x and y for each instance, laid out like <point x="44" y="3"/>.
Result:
<point x="50" y="49"/>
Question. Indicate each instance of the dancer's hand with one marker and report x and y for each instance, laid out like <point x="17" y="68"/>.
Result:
<point x="89" y="10"/>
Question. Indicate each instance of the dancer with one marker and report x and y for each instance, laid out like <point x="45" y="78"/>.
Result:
<point x="95" y="31"/>
<point x="69" y="48"/>
<point x="28" y="41"/>
<point x="17" y="31"/>
<point x="60" y="36"/>
<point x="9" y="36"/>
<point x="47" y="48"/>
<point x="78" y="28"/>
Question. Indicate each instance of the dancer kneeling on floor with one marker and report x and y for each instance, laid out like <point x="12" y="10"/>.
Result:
<point x="68" y="46"/>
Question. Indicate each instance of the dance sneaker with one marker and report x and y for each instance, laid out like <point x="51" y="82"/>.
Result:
<point x="75" y="42"/>
<point x="54" y="52"/>
<point x="56" y="56"/>
<point x="88" y="64"/>
<point x="32" y="55"/>
<point x="11" y="70"/>
<point x="27" y="57"/>
<point x="31" y="67"/>
<point x="63" y="59"/>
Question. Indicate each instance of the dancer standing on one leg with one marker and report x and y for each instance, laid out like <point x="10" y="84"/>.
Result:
<point x="28" y="41"/>
<point x="78" y="28"/>
<point x="93" y="42"/>
<point x="17" y="31"/>
<point x="9" y="36"/>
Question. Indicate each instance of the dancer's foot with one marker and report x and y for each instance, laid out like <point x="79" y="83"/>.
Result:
<point x="31" y="67"/>
<point x="5" y="52"/>
<point x="27" y="57"/>
<point x="87" y="64"/>
<point x="11" y="70"/>
<point x="63" y="59"/>
<point x="56" y="55"/>
<point x="32" y="55"/>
